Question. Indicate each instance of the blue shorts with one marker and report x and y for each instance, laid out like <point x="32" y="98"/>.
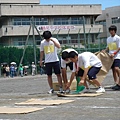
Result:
<point x="116" y="63"/>
<point x="91" y="73"/>
<point x="52" y="65"/>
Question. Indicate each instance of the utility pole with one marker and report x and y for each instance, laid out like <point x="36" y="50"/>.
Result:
<point x="34" y="42"/>
<point x="79" y="38"/>
<point x="84" y="33"/>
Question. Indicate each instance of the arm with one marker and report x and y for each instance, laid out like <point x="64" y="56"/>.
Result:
<point x="57" y="44"/>
<point x="72" y="76"/>
<point x="86" y="61"/>
<point x="112" y="55"/>
<point x="64" y="75"/>
<point x="71" y="79"/>
<point x="63" y="69"/>
<point x="106" y="50"/>
<point x="41" y="57"/>
<point x="84" y="76"/>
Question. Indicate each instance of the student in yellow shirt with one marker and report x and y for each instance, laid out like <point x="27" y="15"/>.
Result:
<point x="49" y="48"/>
<point x="113" y="46"/>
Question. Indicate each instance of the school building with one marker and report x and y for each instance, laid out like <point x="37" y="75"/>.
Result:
<point x="71" y="24"/>
<point x="110" y="16"/>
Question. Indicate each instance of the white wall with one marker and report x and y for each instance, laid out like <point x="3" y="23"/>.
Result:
<point x="31" y="10"/>
<point x="23" y="30"/>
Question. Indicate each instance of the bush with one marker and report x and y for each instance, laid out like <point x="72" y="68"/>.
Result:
<point x="10" y="54"/>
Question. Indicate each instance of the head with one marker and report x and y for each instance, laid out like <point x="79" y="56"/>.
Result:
<point x="47" y="35"/>
<point x="65" y="56"/>
<point x="32" y="62"/>
<point x="73" y="56"/>
<point x="112" y="30"/>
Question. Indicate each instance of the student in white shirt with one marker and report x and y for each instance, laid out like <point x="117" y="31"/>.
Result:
<point x="49" y="48"/>
<point x="65" y="61"/>
<point x="86" y="64"/>
<point x="113" y="46"/>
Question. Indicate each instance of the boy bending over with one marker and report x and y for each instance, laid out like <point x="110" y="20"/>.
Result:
<point x="86" y="64"/>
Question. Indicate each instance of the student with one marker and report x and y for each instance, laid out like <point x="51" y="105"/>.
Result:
<point x="49" y="48"/>
<point x="4" y="71"/>
<point x="12" y="71"/>
<point x="21" y="70"/>
<point x="65" y="61"/>
<point x="33" y="68"/>
<point x="113" y="46"/>
<point x="86" y="64"/>
<point x="7" y="71"/>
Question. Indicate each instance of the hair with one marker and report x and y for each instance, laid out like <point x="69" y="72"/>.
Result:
<point x="72" y="54"/>
<point x="65" y="55"/>
<point x="47" y="34"/>
<point x="113" y="27"/>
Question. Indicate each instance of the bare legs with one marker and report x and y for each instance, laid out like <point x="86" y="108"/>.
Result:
<point x="51" y="83"/>
<point x="116" y="75"/>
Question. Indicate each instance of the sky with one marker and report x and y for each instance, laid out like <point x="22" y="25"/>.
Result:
<point x="105" y="3"/>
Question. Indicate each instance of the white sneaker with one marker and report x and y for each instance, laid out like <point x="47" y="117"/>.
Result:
<point x="61" y="90"/>
<point x="100" y="90"/>
<point x="51" y="91"/>
<point x="85" y="90"/>
<point x="67" y="91"/>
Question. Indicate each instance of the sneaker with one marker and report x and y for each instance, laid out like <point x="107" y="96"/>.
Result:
<point x="61" y="90"/>
<point x="117" y="87"/>
<point x="67" y="91"/>
<point x="85" y="90"/>
<point x="113" y="86"/>
<point x="51" y="91"/>
<point x="100" y="90"/>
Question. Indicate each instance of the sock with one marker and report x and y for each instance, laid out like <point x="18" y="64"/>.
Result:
<point x="100" y="86"/>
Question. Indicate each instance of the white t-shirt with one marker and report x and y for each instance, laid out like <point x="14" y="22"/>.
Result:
<point x="87" y="60"/>
<point x="63" y="62"/>
<point x="50" y="50"/>
<point x="113" y="43"/>
<point x="33" y="66"/>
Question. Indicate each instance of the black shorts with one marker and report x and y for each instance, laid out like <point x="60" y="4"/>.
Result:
<point x="91" y="73"/>
<point x="70" y="65"/>
<point x="52" y="65"/>
<point x="116" y="63"/>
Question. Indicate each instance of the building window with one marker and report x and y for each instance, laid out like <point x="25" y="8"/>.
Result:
<point x="41" y="21"/>
<point x="26" y="21"/>
<point x="20" y="41"/>
<point x="21" y="21"/>
<point x="115" y="20"/>
<point x="61" y="21"/>
<point x="102" y="22"/>
<point x="70" y="20"/>
<point x="76" y="20"/>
